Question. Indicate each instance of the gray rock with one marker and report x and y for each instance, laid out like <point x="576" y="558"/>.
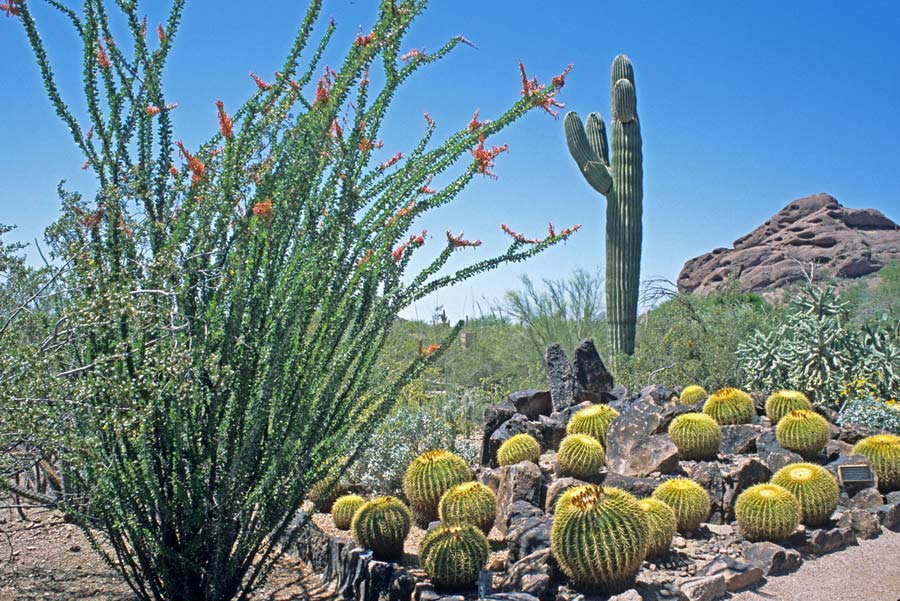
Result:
<point x="889" y="515"/>
<point x="708" y="474"/>
<point x="490" y="477"/>
<point x="531" y="574"/>
<point x="740" y="439"/>
<point x="822" y="541"/>
<point x="703" y="588"/>
<point x="834" y="449"/>
<point x="639" y="487"/>
<point x="525" y="536"/>
<point x="739" y="477"/>
<point x="867" y="498"/>
<point x="864" y="524"/>
<point x="557" y="487"/>
<point x="722" y="530"/>
<point x="564" y="415"/>
<point x="759" y="400"/>
<point x="532" y="403"/>
<point x="772" y="454"/>
<point x="520" y="482"/>
<point x="892" y="497"/>
<point x="738" y="574"/>
<point x="424" y="591"/>
<point x="561" y="378"/>
<point x="517" y="424"/>
<point x="494" y="416"/>
<point x="852" y="433"/>
<point x="634" y="446"/>
<point x="659" y="395"/>
<point x="511" y="597"/>
<point x="552" y="431"/>
<point x="772" y="558"/>
<point x="593" y="382"/>
<point x="629" y="595"/>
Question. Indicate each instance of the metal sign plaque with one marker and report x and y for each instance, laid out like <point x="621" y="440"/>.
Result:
<point x="856" y="474"/>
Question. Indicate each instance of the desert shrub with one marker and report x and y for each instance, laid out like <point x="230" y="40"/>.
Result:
<point x="226" y="305"/>
<point x="816" y="349"/>
<point x="862" y="406"/>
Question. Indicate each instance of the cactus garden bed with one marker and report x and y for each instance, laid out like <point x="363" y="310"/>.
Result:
<point x="753" y="500"/>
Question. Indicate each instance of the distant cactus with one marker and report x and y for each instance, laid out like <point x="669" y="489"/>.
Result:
<point x="883" y="452"/>
<point x="814" y="487"/>
<point x="381" y="525"/>
<point x="661" y="525"/>
<point x="782" y="402"/>
<point x="593" y="421"/>
<point x="696" y="435"/>
<point x="803" y="431"/>
<point x="580" y="456"/>
<point x="599" y="537"/>
<point x="325" y="492"/>
<point x="469" y="503"/>
<point x="343" y="509"/>
<point x="692" y="394"/>
<point x="621" y="182"/>
<point x="452" y="555"/>
<point x="427" y="479"/>
<point x="519" y="447"/>
<point x="688" y="500"/>
<point x="730" y="406"/>
<point x="767" y="512"/>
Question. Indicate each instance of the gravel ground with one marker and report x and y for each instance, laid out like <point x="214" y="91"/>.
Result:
<point x="869" y="572"/>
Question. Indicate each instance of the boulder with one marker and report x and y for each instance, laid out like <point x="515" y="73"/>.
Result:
<point x="842" y="242"/>
<point x="836" y="448"/>
<point x="494" y="417"/>
<point x="520" y="482"/>
<point x="552" y="431"/>
<point x="864" y="524"/>
<point x="634" y="445"/>
<point x="532" y="403"/>
<point x="531" y="574"/>
<point x="746" y="472"/>
<point x="639" y="487"/>
<point x="740" y="439"/>
<point x="593" y="382"/>
<point x="738" y="575"/>
<point x="659" y="395"/>
<point x="852" y="433"/>
<point x="771" y="558"/>
<point x="703" y="588"/>
<point x="867" y="498"/>
<point x="527" y="535"/>
<point x="561" y="378"/>
<point x="773" y="454"/>
<point x="708" y="474"/>
<point x="889" y="516"/>
<point x="822" y="541"/>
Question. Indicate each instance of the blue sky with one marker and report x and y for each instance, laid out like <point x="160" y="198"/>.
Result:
<point x="744" y="107"/>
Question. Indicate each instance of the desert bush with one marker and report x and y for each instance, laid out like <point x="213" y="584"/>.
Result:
<point x="862" y="406"/>
<point x="226" y="305"/>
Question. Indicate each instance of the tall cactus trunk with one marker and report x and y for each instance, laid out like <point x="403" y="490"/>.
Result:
<point x="621" y="181"/>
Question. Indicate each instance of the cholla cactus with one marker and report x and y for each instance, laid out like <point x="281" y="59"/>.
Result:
<point x="730" y="406"/>
<point x="815" y="488"/>
<point x="621" y="181"/>
<point x="580" y="456"/>
<point x="599" y="537"/>
<point x="593" y="421"/>
<point x="767" y="512"/>
<point x="782" y="402"/>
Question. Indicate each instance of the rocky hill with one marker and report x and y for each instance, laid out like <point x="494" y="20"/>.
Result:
<point x="842" y="242"/>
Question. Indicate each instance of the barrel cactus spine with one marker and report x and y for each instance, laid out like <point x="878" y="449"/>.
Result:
<point x="883" y="452"/>
<point x="692" y="395"/>
<point x="688" y="500"/>
<point x="427" y="478"/>
<point x="696" y="435"/>
<point x="453" y="554"/>
<point x="767" y="512"/>
<point x="661" y="525"/>
<point x="803" y="431"/>
<point x="593" y="421"/>
<point x="815" y="488"/>
<point x="730" y="407"/>
<point x="381" y="525"/>
<point x="517" y="448"/>
<point x="599" y="537"/>
<point x="621" y="181"/>
<point x="343" y="509"/>
<point x="782" y="402"/>
<point x="580" y="456"/>
<point x="469" y="503"/>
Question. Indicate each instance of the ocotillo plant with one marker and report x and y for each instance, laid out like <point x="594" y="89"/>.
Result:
<point x="621" y="181"/>
<point x="226" y="304"/>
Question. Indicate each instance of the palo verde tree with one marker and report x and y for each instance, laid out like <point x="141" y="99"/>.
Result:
<point x="226" y="304"/>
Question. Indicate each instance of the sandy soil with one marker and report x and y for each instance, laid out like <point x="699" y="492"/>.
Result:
<point x="43" y="558"/>
<point x="869" y="572"/>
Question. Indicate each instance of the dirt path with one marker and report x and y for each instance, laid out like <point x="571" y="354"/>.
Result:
<point x="869" y="572"/>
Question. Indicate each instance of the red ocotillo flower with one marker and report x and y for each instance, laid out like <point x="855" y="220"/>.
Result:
<point x="263" y="209"/>
<point x="416" y="240"/>
<point x="323" y="88"/>
<point x="402" y="212"/>
<point x="161" y="33"/>
<point x="475" y="123"/>
<point x="262" y="85"/>
<point x="519" y="237"/>
<point x="425" y="189"/>
<point x="225" y="126"/>
<point x="335" y="130"/>
<point x="485" y="158"/>
<point x="429" y="120"/>
<point x="173" y="170"/>
<point x="365" y="40"/>
<point x="152" y="111"/>
<point x="366" y="145"/>
<point x="365" y="258"/>
<point x="102" y="57"/>
<point x="460" y="242"/>
<point x="430" y="350"/>
<point x="534" y="91"/>
<point x="391" y="161"/>
<point x="10" y="8"/>
<point x="411" y="54"/>
<point x="195" y="165"/>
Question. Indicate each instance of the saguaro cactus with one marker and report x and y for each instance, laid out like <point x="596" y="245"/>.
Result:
<point x="622" y="183"/>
